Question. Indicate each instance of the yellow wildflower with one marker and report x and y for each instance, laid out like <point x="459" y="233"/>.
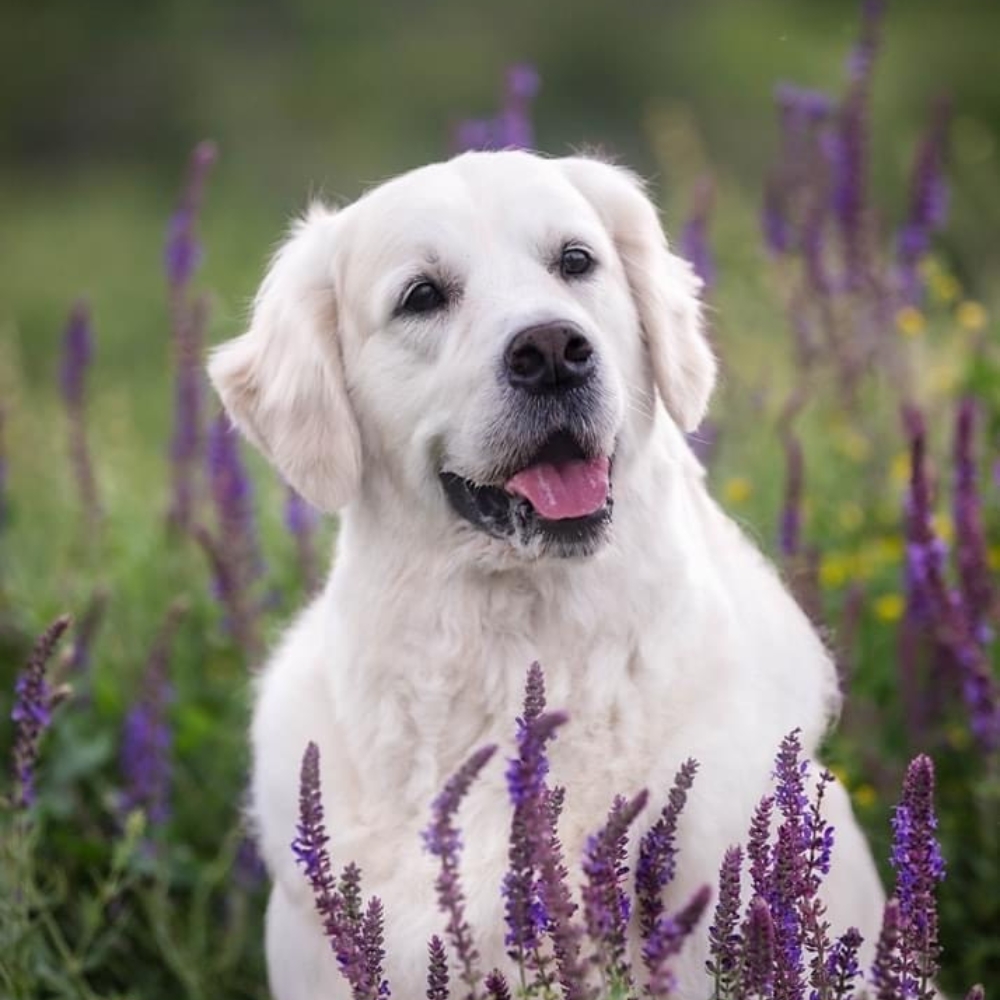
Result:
<point x="958" y="736"/>
<point x="834" y="568"/>
<point x="899" y="469"/>
<point x="864" y="796"/>
<point x="737" y="489"/>
<point x="910" y="321"/>
<point x="971" y="316"/>
<point x="993" y="557"/>
<point x="944" y="286"/>
<point x="889" y="607"/>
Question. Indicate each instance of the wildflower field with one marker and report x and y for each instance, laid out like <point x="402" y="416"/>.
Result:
<point x="148" y="560"/>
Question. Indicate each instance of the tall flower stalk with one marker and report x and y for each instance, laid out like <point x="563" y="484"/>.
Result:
<point x="78" y="351"/>
<point x="512" y="126"/>
<point x="182" y="256"/>
<point x="34" y="699"/>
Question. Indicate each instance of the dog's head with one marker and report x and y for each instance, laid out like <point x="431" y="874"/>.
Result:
<point x="485" y="337"/>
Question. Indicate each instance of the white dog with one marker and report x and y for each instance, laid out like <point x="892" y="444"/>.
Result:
<point x="487" y="366"/>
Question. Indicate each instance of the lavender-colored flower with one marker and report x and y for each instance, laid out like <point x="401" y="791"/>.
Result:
<point x="496" y="986"/>
<point x="657" y="861"/>
<point x="606" y="905"/>
<point x="183" y="251"/>
<point x="971" y="548"/>
<point x="309" y="847"/>
<point x="147" y="739"/>
<point x="976" y="993"/>
<point x="301" y="519"/>
<point x="667" y="939"/>
<point x="694" y="243"/>
<point x="759" y="847"/>
<point x="512" y="127"/>
<point x="34" y="699"/>
<point x="758" y="967"/>
<point x="862" y="57"/>
<point x="437" y="970"/>
<point x="524" y="913"/>
<point x="930" y="599"/>
<point x="928" y="208"/>
<point x="842" y="968"/>
<point x="724" y="938"/>
<point x="78" y="351"/>
<point x="916" y="859"/>
<point x="182" y="256"/>
<point x="373" y="946"/>
<point x="249" y="870"/>
<point x="885" y="975"/>
<point x="230" y="592"/>
<point x="444" y="842"/>
<point x="704" y="441"/>
<point x="790" y="527"/>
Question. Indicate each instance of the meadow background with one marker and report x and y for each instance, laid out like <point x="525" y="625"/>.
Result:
<point x="132" y="876"/>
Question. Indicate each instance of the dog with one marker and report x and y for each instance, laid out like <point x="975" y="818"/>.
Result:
<point x="487" y="367"/>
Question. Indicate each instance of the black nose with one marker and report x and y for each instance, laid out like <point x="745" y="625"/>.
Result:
<point x="551" y="357"/>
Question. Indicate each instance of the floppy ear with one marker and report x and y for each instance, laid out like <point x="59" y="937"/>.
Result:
<point x="664" y="287"/>
<point x="282" y="381"/>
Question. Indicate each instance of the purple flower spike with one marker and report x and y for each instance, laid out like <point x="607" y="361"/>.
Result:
<point x="146" y="737"/>
<point x="694" y="243"/>
<point x="724" y="937"/>
<point x="666" y="941"/>
<point x="183" y="252"/>
<point x="437" y="970"/>
<point x="357" y="945"/>
<point x="842" y="968"/>
<point x="971" y="547"/>
<point x="496" y="986"/>
<point x="758" y="969"/>
<point x="34" y="699"/>
<point x="78" y="350"/>
<point x="759" y="847"/>
<point x="444" y="842"/>
<point x="606" y="906"/>
<point x="885" y="968"/>
<point x="512" y="127"/>
<point x="657" y="860"/>
<point x="916" y="858"/>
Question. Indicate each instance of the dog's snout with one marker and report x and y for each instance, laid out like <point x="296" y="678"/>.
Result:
<point x="551" y="357"/>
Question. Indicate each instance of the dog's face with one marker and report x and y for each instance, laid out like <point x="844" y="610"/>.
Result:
<point x="485" y="337"/>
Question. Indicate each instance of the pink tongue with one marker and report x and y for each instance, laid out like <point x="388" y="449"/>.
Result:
<point x="569" y="489"/>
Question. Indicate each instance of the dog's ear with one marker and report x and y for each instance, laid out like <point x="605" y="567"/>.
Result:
<point x="664" y="287"/>
<point x="282" y="381"/>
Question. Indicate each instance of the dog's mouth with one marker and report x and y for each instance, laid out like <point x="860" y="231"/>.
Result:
<point x="561" y="496"/>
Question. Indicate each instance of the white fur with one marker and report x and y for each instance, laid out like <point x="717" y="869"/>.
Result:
<point x="674" y="639"/>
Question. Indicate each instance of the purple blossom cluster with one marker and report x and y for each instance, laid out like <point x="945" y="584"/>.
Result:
<point x="778" y="946"/>
<point x="512" y="126"/>
<point x="78" y="351"/>
<point x="182" y="256"/>
<point x="694" y="242"/>
<point x="355" y="934"/>
<point x="34" y="699"/>
<point x="147" y="738"/>
<point x="949" y="622"/>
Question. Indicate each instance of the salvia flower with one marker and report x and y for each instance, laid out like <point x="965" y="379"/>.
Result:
<point x="512" y="127"/>
<point x="916" y="859"/>
<point x="724" y="938"/>
<point x="657" y="860"/>
<point x="606" y="905"/>
<point x="443" y="840"/>
<point x="928" y="208"/>
<point x="758" y="966"/>
<point x="842" y="967"/>
<point x="437" y="970"/>
<point x="182" y="256"/>
<point x="356" y="944"/>
<point x="496" y="986"/>
<point x="86" y="631"/>
<point x="78" y="351"/>
<point x="147" y="738"/>
<point x="34" y="699"/>
<point x="694" y="242"/>
<point x="667" y="939"/>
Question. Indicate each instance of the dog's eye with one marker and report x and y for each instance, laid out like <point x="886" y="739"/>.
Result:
<point x="575" y="261"/>
<point x="423" y="297"/>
